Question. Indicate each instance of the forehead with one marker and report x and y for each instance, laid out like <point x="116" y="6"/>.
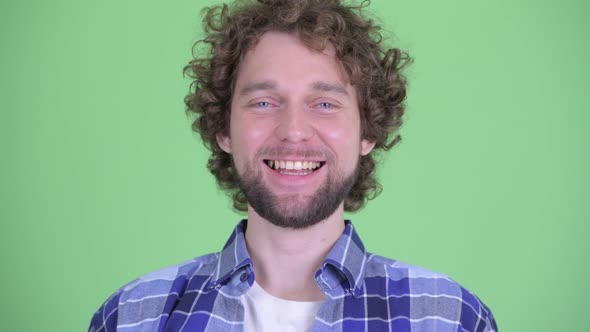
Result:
<point x="285" y="58"/>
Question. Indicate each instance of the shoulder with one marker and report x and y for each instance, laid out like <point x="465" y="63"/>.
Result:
<point x="149" y="296"/>
<point x="427" y="294"/>
<point x="394" y="269"/>
<point x="166" y="281"/>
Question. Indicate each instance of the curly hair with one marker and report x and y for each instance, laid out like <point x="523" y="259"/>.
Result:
<point x="376" y="73"/>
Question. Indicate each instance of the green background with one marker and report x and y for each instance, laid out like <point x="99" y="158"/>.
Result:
<point x="102" y="179"/>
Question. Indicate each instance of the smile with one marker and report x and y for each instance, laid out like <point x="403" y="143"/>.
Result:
<point x="294" y="167"/>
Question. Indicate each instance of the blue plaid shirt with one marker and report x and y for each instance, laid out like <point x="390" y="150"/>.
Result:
<point x="364" y="292"/>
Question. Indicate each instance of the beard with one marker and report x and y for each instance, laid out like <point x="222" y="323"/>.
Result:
<point x="295" y="210"/>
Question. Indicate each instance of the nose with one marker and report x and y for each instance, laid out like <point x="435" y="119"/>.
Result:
<point x="294" y="125"/>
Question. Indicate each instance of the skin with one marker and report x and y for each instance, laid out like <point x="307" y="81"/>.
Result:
<point x="293" y="103"/>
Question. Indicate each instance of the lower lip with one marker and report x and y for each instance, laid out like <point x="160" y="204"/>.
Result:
<point x="296" y="173"/>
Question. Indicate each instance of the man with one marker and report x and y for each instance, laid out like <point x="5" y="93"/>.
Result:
<point x="293" y="102"/>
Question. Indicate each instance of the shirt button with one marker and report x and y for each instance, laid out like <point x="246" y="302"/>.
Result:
<point x="244" y="277"/>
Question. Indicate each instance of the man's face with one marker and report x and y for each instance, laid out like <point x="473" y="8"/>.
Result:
<point x="294" y="131"/>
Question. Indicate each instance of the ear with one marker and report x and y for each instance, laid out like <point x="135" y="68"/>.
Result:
<point x="366" y="147"/>
<point x="224" y="142"/>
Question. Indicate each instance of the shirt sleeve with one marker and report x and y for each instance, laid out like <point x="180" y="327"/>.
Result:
<point x="490" y="323"/>
<point x="105" y="319"/>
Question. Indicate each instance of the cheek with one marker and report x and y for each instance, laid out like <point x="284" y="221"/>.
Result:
<point x="345" y="135"/>
<point x="248" y="136"/>
<point x="250" y="131"/>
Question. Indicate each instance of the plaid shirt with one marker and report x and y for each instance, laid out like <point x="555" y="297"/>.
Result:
<point x="364" y="292"/>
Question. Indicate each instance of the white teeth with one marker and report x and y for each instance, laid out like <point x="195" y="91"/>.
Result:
<point x="293" y="165"/>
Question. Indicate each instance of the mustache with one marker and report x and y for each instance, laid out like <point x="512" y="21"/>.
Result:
<point x="278" y="152"/>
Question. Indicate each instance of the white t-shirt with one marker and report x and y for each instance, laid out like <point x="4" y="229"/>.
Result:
<point x="266" y="313"/>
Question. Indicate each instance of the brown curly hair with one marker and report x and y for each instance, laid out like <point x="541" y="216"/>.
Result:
<point x="374" y="71"/>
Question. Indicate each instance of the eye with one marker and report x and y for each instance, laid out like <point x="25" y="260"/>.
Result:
<point x="262" y="104"/>
<point x="325" y="106"/>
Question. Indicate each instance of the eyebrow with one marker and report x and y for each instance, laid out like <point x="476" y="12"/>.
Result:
<point x="255" y="86"/>
<point x="329" y="87"/>
<point x="272" y="85"/>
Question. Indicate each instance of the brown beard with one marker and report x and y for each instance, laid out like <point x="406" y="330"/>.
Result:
<point x="294" y="211"/>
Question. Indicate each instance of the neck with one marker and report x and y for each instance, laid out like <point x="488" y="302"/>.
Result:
<point x="285" y="254"/>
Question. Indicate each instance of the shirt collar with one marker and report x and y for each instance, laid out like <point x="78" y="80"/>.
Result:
<point x="344" y="265"/>
<point x="234" y="255"/>
<point x="347" y="257"/>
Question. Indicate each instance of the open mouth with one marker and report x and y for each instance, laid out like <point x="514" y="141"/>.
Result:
<point x="294" y="167"/>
